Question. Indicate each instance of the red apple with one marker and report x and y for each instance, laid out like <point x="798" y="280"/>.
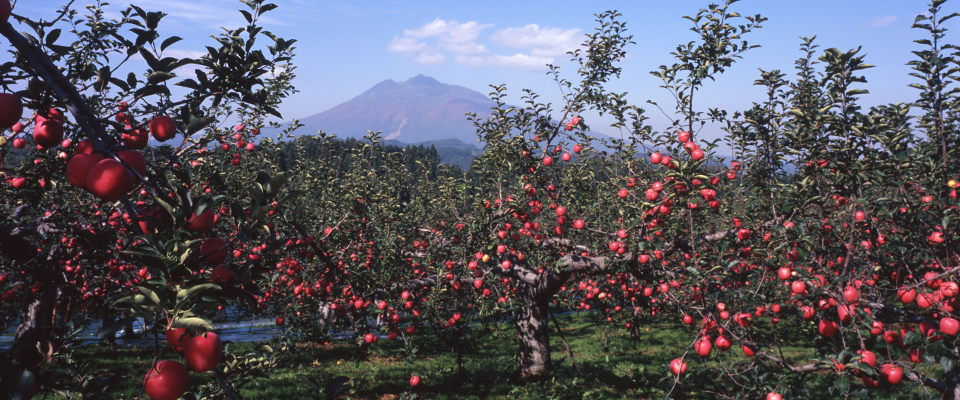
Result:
<point x="892" y="373"/>
<point x="655" y="158"/>
<point x="949" y="326"/>
<point x="11" y="107"/>
<point x="179" y="337"/>
<point x="907" y="295"/>
<point x="78" y="169"/>
<point x="798" y="287"/>
<point x="281" y="321"/>
<point x="203" y="352"/>
<point x="723" y="343"/>
<point x="221" y="273"/>
<point x="867" y="356"/>
<point x="136" y="160"/>
<point x="214" y="250"/>
<point x="949" y="289"/>
<point x="697" y="154"/>
<point x="168" y="380"/>
<point x="203" y="223"/>
<point x="53" y="114"/>
<point x="936" y="237"/>
<point x="84" y="147"/>
<point x="678" y="367"/>
<point x="109" y="180"/>
<point x="851" y="294"/>
<point x="48" y="133"/>
<point x="704" y="347"/>
<point x="828" y="328"/>
<point x="136" y="139"/>
<point x="163" y="128"/>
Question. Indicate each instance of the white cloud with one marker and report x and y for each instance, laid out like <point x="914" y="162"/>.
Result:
<point x="541" y="41"/>
<point x="451" y="32"/>
<point x="465" y="48"/>
<point x="524" y="61"/>
<point x="519" y="60"/>
<point x="177" y="53"/>
<point x="883" y="22"/>
<point x="405" y="44"/>
<point x="428" y="43"/>
<point x="430" y="57"/>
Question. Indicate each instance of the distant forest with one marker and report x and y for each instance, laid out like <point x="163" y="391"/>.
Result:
<point x="416" y="159"/>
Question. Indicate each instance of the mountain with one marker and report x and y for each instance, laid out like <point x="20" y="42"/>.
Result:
<point x="419" y="109"/>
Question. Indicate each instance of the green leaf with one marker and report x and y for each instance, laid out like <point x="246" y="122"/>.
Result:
<point x="53" y="36"/>
<point x="258" y="196"/>
<point x="120" y="84"/>
<point x="150" y="295"/>
<point x="266" y="7"/>
<point x="195" y="323"/>
<point x="947" y="363"/>
<point x="189" y="84"/>
<point x="273" y="186"/>
<point x="196" y="124"/>
<point x="150" y="59"/>
<point x="159" y="77"/>
<point x="247" y="16"/>
<point x="111" y="330"/>
<point x="307" y="381"/>
<point x="170" y="41"/>
<point x="18" y="385"/>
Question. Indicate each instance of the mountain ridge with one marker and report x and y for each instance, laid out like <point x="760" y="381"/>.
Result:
<point x="419" y="109"/>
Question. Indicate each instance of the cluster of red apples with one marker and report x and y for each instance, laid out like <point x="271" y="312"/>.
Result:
<point x="169" y="380"/>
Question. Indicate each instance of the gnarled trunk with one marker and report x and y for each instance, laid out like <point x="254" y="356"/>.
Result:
<point x="534" y="334"/>
<point x="30" y="331"/>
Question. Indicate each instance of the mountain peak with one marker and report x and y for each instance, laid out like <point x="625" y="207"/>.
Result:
<point x="419" y="109"/>
<point x="422" y="80"/>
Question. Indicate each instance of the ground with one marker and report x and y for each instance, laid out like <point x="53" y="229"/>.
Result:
<point x="612" y="365"/>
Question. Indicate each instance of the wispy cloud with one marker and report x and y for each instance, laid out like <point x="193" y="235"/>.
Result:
<point x="546" y="42"/>
<point x="208" y="14"/>
<point x="405" y="45"/>
<point x="883" y="22"/>
<point x="428" y="43"/>
<point x="449" y="32"/>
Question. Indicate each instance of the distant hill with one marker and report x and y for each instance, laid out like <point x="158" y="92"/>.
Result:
<point x="451" y="151"/>
<point x="417" y="110"/>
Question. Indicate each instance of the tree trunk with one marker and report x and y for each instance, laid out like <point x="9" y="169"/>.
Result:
<point x="635" y="325"/>
<point x="326" y="316"/>
<point x="30" y="331"/>
<point x="127" y="327"/>
<point x="108" y="320"/>
<point x="534" y="334"/>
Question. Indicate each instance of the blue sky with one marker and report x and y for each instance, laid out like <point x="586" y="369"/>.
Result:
<point x="345" y="47"/>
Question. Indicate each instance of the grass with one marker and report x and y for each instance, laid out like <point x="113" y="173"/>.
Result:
<point x="612" y="365"/>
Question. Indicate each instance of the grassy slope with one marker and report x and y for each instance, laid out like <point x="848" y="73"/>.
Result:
<point x="619" y="369"/>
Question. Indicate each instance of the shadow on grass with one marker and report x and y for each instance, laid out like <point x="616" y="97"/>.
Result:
<point x="612" y="366"/>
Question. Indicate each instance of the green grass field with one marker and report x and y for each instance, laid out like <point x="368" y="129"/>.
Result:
<point x="612" y="365"/>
